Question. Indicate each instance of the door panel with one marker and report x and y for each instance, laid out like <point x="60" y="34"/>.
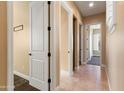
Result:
<point x="39" y="45"/>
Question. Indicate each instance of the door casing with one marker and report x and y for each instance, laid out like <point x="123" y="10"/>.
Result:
<point x="70" y="37"/>
<point x="87" y="28"/>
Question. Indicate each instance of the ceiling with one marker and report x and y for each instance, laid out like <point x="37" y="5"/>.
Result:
<point x="83" y="6"/>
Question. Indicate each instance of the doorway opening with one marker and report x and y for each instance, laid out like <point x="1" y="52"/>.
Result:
<point x="74" y="42"/>
<point x="28" y="45"/>
<point x="80" y="45"/>
<point x="65" y="43"/>
<point x="21" y="47"/>
<point x="95" y="45"/>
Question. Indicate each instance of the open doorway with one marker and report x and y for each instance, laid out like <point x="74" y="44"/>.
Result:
<point x="21" y="46"/>
<point x="65" y="42"/>
<point x="80" y="44"/>
<point x="95" y="45"/>
<point x="74" y="41"/>
<point x="30" y="46"/>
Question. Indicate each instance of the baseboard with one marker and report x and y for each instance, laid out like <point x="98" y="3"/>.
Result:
<point x="108" y="79"/>
<point x="21" y="75"/>
<point x="78" y="67"/>
<point x="10" y="88"/>
<point x="84" y="63"/>
<point x="102" y="65"/>
<point x="70" y="73"/>
<point x="56" y="88"/>
<point x="64" y="72"/>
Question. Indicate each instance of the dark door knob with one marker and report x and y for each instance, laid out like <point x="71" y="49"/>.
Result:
<point x="30" y="54"/>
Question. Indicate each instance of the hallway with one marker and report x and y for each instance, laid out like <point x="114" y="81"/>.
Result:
<point x="87" y="78"/>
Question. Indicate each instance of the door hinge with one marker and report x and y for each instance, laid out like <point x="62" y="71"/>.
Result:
<point x="49" y="54"/>
<point x="49" y="2"/>
<point x="49" y="80"/>
<point x="49" y="28"/>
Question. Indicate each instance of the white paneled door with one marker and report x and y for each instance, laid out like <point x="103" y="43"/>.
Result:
<point x="39" y="45"/>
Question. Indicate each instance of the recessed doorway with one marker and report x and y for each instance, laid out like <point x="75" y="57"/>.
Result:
<point x="74" y="42"/>
<point x="95" y="45"/>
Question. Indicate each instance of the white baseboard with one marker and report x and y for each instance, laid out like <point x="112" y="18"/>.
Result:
<point x="108" y="79"/>
<point x="70" y="73"/>
<point x="21" y="75"/>
<point x="66" y="73"/>
<point x="102" y="65"/>
<point x="10" y="88"/>
<point x="78" y="67"/>
<point x="84" y="62"/>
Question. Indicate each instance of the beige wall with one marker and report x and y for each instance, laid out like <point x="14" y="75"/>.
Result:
<point x="64" y="40"/>
<point x="3" y="45"/>
<point x="96" y="19"/>
<point x="79" y="18"/>
<point x="75" y="10"/>
<point x="21" y="38"/>
<point x="58" y="25"/>
<point x="115" y="51"/>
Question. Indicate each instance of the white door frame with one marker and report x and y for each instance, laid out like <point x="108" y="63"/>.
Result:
<point x="101" y="55"/>
<point x="10" y="82"/>
<point x="70" y="36"/>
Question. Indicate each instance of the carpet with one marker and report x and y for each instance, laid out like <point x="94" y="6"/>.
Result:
<point x="94" y="61"/>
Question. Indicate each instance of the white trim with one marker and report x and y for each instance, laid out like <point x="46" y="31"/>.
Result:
<point x="103" y="65"/>
<point x="84" y="63"/>
<point x="30" y="4"/>
<point x="77" y="67"/>
<point x="64" y="72"/>
<point x="101" y="40"/>
<point x="10" y="82"/>
<point x="21" y="75"/>
<point x="70" y="36"/>
<point x="53" y="45"/>
<point x="108" y="79"/>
